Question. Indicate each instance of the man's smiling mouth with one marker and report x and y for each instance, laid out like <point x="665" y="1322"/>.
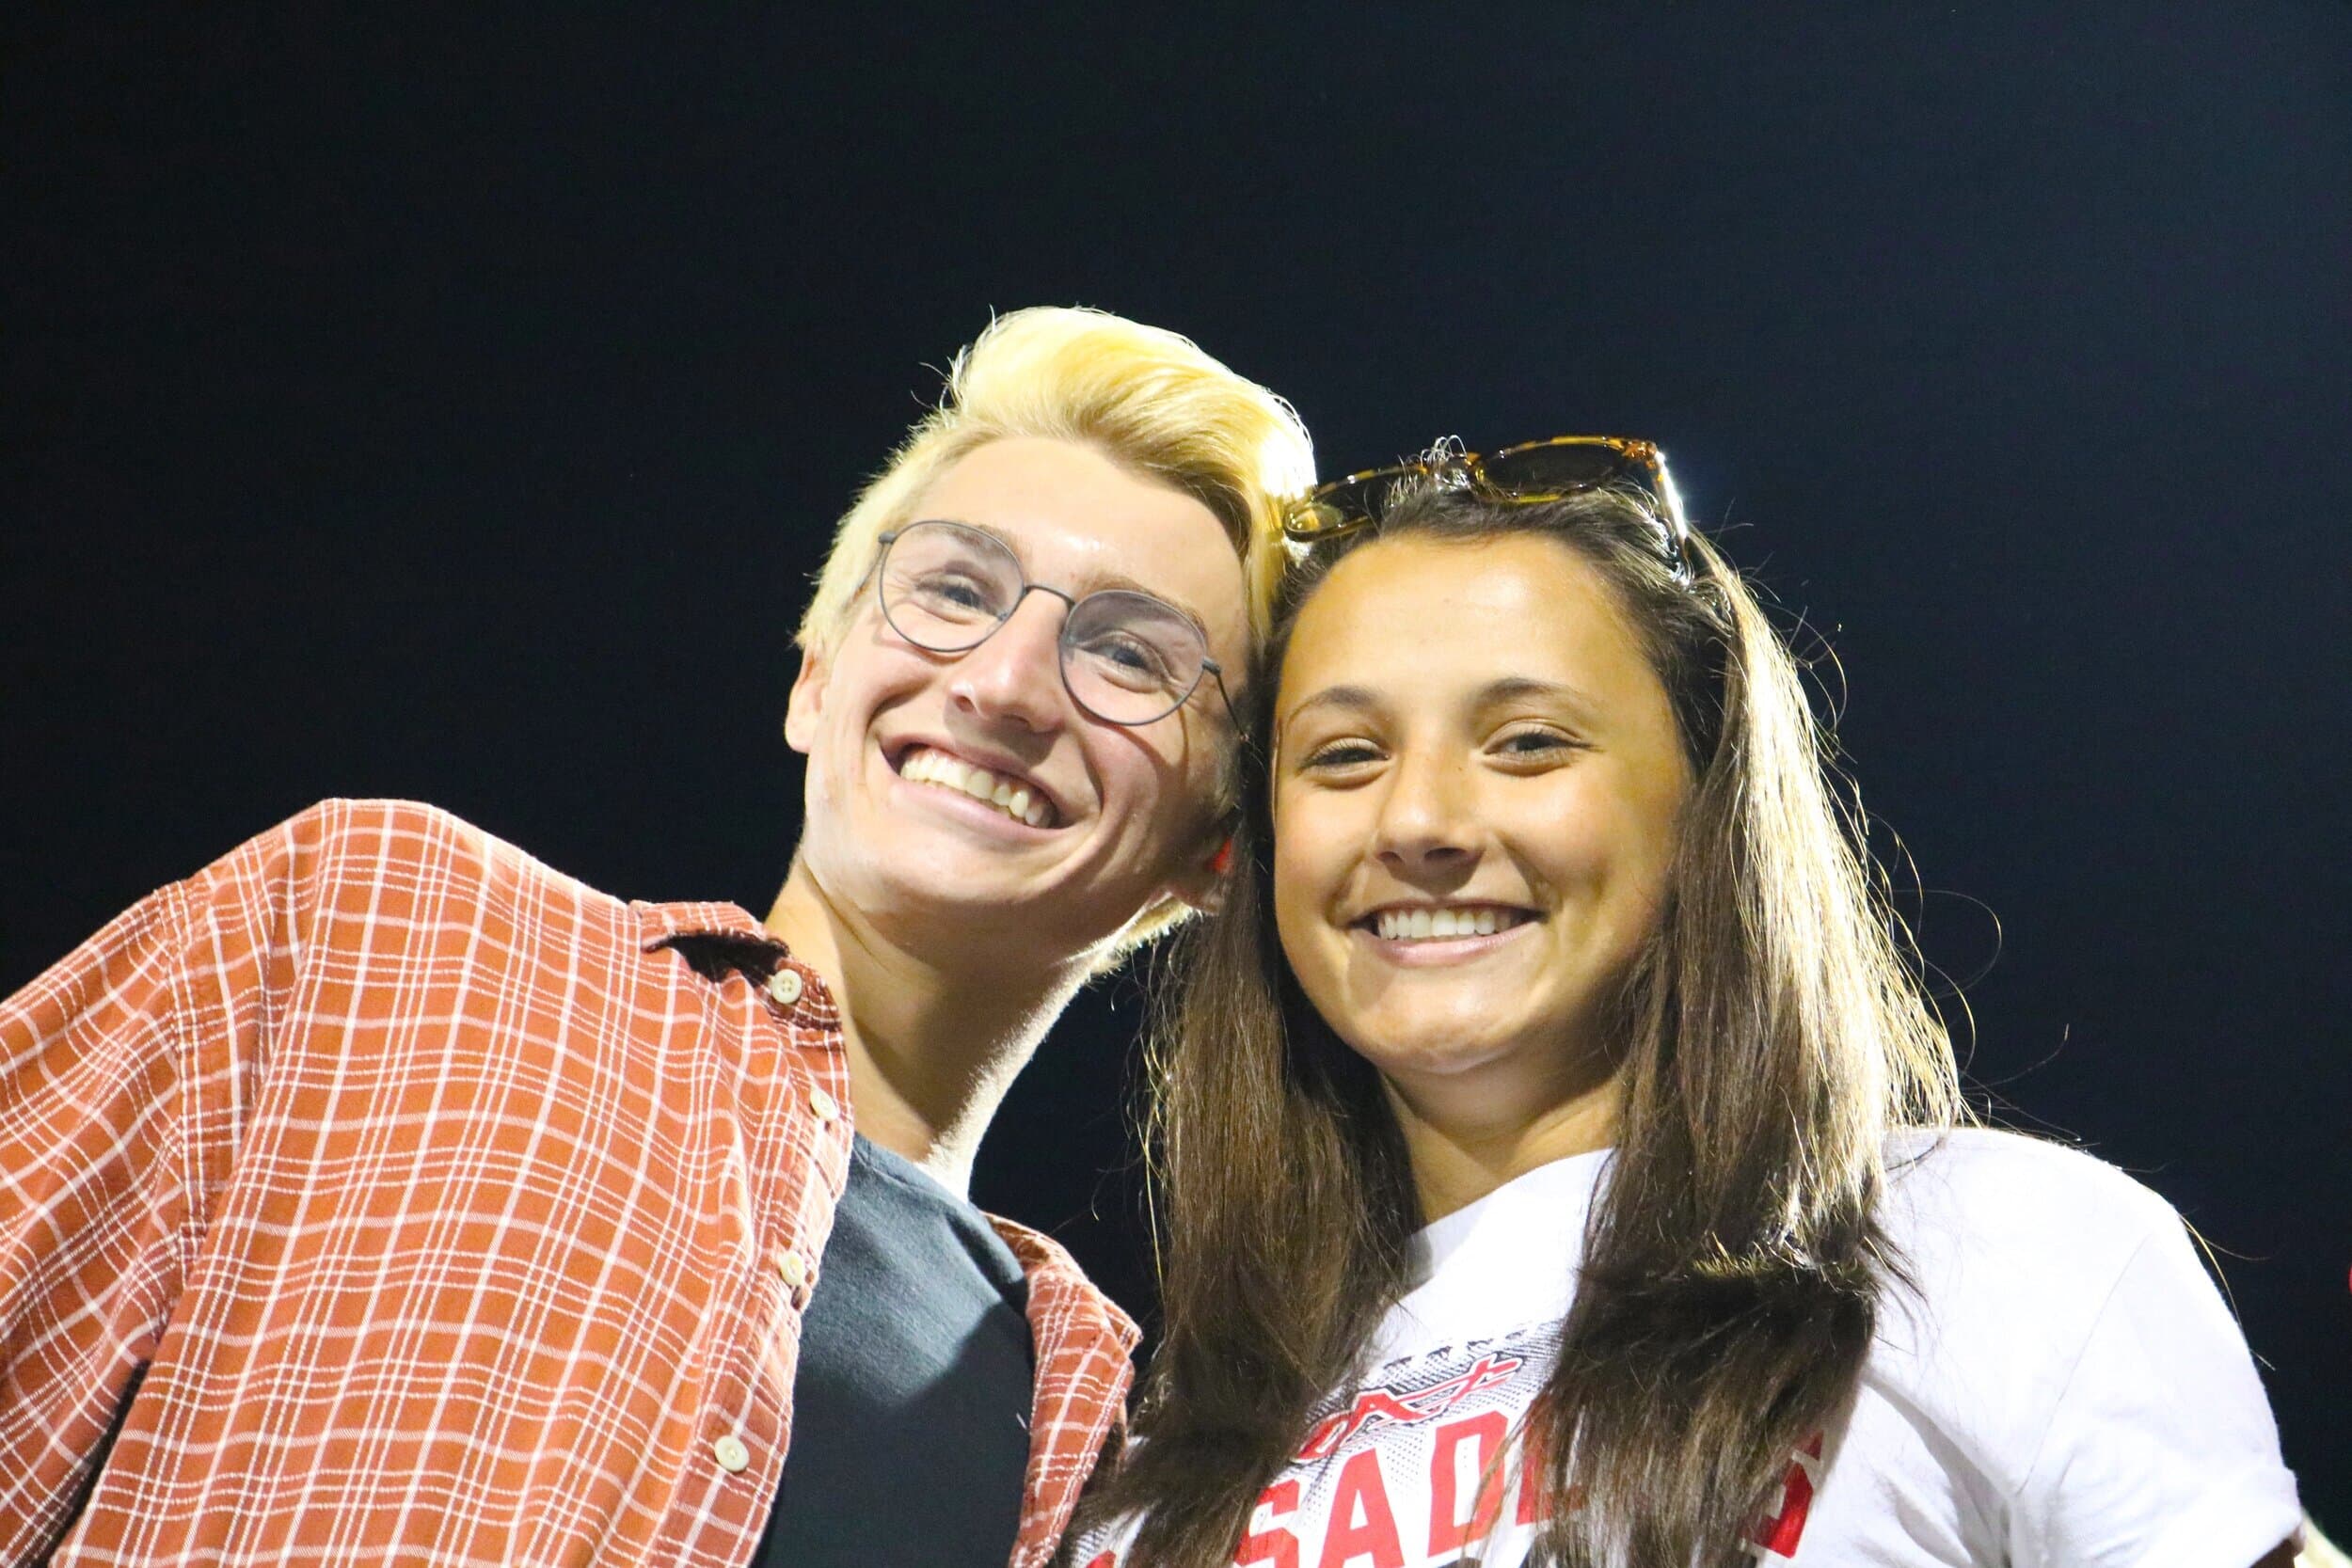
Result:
<point x="1012" y="796"/>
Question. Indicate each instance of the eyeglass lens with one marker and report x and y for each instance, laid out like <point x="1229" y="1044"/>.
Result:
<point x="1127" y="658"/>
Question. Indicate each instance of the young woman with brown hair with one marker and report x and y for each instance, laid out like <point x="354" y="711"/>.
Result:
<point x="1558" y="1157"/>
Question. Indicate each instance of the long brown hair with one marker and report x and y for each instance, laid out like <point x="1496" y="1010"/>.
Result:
<point x="1773" y="1034"/>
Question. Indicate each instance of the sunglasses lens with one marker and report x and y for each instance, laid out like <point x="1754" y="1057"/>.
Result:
<point x="1335" y="508"/>
<point x="1312" y="519"/>
<point x="1558" y="468"/>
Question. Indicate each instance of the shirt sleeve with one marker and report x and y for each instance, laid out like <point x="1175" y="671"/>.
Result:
<point x="120" y="1073"/>
<point x="2162" y="1452"/>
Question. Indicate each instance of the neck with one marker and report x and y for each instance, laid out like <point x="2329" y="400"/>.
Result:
<point x="1464" y="1140"/>
<point x="934" y="1039"/>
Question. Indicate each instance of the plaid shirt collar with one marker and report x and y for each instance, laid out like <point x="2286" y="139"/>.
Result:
<point x="1083" y="1341"/>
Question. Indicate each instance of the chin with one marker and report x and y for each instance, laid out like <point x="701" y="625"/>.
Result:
<point x="1423" y="1052"/>
<point x="940" y="884"/>
<point x="1013" y="917"/>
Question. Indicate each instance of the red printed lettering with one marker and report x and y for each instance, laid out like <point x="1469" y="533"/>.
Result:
<point x="1376" y="1405"/>
<point x="1534" y="1499"/>
<point x="1780" y="1534"/>
<point x="1272" y="1546"/>
<point x="1384" y="1406"/>
<point x="1483" y="1436"/>
<point x="1361" y="1522"/>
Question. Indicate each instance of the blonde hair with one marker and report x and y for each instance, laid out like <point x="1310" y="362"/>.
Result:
<point x="1146" y="397"/>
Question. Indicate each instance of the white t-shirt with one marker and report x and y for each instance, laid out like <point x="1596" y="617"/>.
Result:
<point x="2066" y="1389"/>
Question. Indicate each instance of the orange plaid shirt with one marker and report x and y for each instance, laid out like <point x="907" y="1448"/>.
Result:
<point x="379" y="1194"/>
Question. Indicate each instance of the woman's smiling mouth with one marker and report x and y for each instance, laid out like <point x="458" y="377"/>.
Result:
<point x="1417" y="936"/>
<point x="1428" y="923"/>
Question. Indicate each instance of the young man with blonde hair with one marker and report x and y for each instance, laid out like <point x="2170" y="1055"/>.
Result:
<point x="379" y="1194"/>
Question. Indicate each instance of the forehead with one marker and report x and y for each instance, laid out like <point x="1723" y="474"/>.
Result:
<point x="1079" y="521"/>
<point x="1418" y="620"/>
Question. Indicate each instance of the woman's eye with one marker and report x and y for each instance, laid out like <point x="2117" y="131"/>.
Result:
<point x="1534" y="743"/>
<point x="1339" y="754"/>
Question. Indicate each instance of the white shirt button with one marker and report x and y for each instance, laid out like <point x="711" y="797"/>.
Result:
<point x="823" y="1106"/>
<point x="731" y="1454"/>
<point x="784" y="986"/>
<point x="792" y="1268"/>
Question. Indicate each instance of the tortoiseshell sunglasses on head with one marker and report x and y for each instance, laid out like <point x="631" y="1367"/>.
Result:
<point x="1530" y="472"/>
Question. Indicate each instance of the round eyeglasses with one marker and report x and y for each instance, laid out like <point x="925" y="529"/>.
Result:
<point x="1126" y="657"/>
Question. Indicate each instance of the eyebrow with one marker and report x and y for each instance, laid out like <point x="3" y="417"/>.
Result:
<point x="1509" y="688"/>
<point x="1117" y="581"/>
<point x="1519" y="688"/>
<point x="1356" y="699"/>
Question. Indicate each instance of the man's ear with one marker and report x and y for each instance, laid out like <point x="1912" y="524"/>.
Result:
<point x="806" y="705"/>
<point x="1202" y="884"/>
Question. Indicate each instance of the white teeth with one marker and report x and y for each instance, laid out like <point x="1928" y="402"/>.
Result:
<point x="1425" y="924"/>
<point x="1015" y="800"/>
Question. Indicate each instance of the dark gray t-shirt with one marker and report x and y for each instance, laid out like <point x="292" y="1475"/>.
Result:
<point x="911" y="1411"/>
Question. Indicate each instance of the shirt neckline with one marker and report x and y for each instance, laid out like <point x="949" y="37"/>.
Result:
<point x="1546" y="1189"/>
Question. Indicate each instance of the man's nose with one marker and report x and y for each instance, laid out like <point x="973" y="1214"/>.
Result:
<point x="1016" y="674"/>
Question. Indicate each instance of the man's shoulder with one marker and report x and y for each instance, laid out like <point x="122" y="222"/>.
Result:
<point x="365" y="838"/>
<point x="369" y="859"/>
<point x="383" y="827"/>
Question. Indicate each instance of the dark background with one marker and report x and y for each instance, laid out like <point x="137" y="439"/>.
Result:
<point x="451" y="406"/>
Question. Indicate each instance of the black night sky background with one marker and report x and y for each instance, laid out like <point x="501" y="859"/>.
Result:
<point x="452" y="405"/>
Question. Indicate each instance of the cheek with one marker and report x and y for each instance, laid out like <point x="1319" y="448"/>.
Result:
<point x="1164" y="796"/>
<point x="1623" y="870"/>
<point x="1292" y="902"/>
<point x="1312" y="860"/>
<point x="868" y="682"/>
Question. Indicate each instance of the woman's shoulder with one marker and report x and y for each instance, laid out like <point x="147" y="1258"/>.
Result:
<point x="2009" y="1246"/>
<point x="2012" y="1250"/>
<point x="2057" y="1351"/>
<point x="1984" y="1188"/>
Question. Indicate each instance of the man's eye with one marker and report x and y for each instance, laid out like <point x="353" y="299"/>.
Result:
<point x="944" y="590"/>
<point x="1131" y="661"/>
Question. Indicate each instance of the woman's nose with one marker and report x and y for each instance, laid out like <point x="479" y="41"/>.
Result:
<point x="1425" y="820"/>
